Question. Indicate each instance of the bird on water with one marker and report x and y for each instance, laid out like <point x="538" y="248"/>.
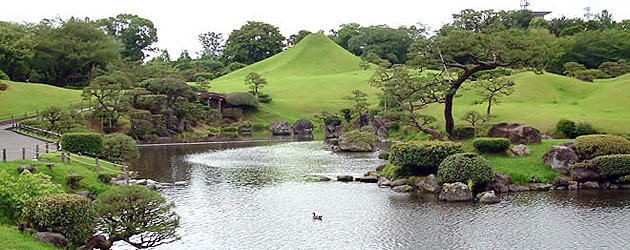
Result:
<point x="316" y="217"/>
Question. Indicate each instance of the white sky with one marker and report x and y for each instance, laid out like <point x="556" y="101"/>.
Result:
<point x="179" y="22"/>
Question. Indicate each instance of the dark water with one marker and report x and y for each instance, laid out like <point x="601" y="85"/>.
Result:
<point x="255" y="196"/>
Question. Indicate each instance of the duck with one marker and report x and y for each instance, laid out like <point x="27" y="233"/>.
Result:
<point x="316" y="217"/>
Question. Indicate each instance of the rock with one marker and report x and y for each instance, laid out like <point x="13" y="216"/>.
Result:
<point x="324" y="178"/>
<point x="624" y="186"/>
<point x="179" y="183"/>
<point x="573" y="185"/>
<point x="560" y="158"/>
<point x="85" y="194"/>
<point x="149" y="181"/>
<point x="380" y="128"/>
<point x="488" y="197"/>
<point x="153" y="186"/>
<point x="516" y="133"/>
<point x="520" y="150"/>
<point x="501" y="182"/>
<point x="98" y="242"/>
<point x="303" y="126"/>
<point x="560" y="182"/>
<point x="142" y="182"/>
<point x="119" y="182"/>
<point x="430" y="184"/>
<point x="330" y="131"/>
<point x="568" y="144"/>
<point x="403" y="189"/>
<point x="355" y="142"/>
<point x="367" y="179"/>
<point x="515" y="188"/>
<point x="280" y="128"/>
<point x="455" y="192"/>
<point x="341" y="129"/>
<point x="605" y="185"/>
<point x="399" y="182"/>
<point x="539" y="186"/>
<point x="21" y="169"/>
<point x="345" y="178"/>
<point x="589" y="185"/>
<point x="56" y="239"/>
<point x="383" y="182"/>
<point x="614" y="186"/>
<point x="362" y="121"/>
<point x="582" y="172"/>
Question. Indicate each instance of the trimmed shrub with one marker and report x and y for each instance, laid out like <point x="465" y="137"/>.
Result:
<point x="491" y="145"/>
<point x="612" y="165"/>
<point x="242" y="99"/>
<point x="16" y="190"/>
<point x="465" y="132"/>
<point x="264" y="98"/>
<point x="120" y="148"/>
<point x="465" y="167"/>
<point x="86" y="143"/>
<point x="232" y="113"/>
<point x="383" y="156"/>
<point x="106" y="177"/>
<point x="591" y="146"/>
<point x="584" y="128"/>
<point x="421" y="157"/>
<point x="3" y="76"/>
<point x="34" y="123"/>
<point x="69" y="214"/>
<point x="566" y="127"/>
<point x="204" y="76"/>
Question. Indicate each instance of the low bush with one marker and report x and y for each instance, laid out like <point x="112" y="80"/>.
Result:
<point x="566" y="127"/>
<point x="591" y="146"/>
<point x="465" y="132"/>
<point x="584" y="128"/>
<point x="3" y="76"/>
<point x="86" y="143"/>
<point x="120" y="148"/>
<point x="106" y="177"/>
<point x="242" y="99"/>
<point x="266" y="99"/>
<point x="204" y="76"/>
<point x="16" y="190"/>
<point x="34" y="123"/>
<point x="69" y="214"/>
<point x="383" y="156"/>
<point x="234" y="114"/>
<point x="465" y="167"/>
<point x="422" y="157"/>
<point x="491" y="145"/>
<point x="612" y="165"/>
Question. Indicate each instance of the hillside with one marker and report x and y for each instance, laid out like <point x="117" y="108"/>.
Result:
<point x="29" y="97"/>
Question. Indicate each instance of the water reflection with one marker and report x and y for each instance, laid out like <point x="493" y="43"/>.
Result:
<point x="256" y="197"/>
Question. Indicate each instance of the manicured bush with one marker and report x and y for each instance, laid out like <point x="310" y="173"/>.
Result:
<point x="120" y="148"/>
<point x="421" y="157"/>
<point x="69" y="214"/>
<point x="591" y="146"/>
<point x="612" y="165"/>
<point x="465" y="167"/>
<point x="232" y="113"/>
<point x="204" y="76"/>
<point x="3" y="76"/>
<point x="264" y="98"/>
<point x="383" y="156"/>
<point x="34" y="123"/>
<point x="491" y="145"/>
<point x="566" y="127"/>
<point x="16" y="190"/>
<point x="465" y="132"/>
<point x="86" y="143"/>
<point x="242" y="99"/>
<point x="584" y="128"/>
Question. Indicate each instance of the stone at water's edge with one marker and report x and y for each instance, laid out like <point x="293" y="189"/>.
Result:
<point x="56" y="239"/>
<point x="302" y="126"/>
<point x="345" y="178"/>
<point x="367" y="179"/>
<point x="324" y="178"/>
<point x="430" y="184"/>
<point x="580" y="172"/>
<point x="399" y="182"/>
<point x="540" y="186"/>
<point x="516" y="133"/>
<point x="351" y="143"/>
<point x="560" y="182"/>
<point x="455" y="192"/>
<point x="403" y="189"/>
<point x="589" y="185"/>
<point x="488" y="197"/>
<point x="516" y="188"/>
<point x="501" y="182"/>
<point x="280" y="128"/>
<point x="384" y="182"/>
<point x="573" y="185"/>
<point x="380" y="128"/>
<point x="560" y="158"/>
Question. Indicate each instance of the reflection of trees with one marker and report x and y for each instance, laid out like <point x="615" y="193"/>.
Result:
<point x="594" y="198"/>
<point x="253" y="176"/>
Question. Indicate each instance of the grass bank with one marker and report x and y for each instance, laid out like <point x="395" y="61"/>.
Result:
<point x="22" y="98"/>
<point x="12" y="239"/>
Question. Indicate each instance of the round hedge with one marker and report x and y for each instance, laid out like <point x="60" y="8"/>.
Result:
<point x="69" y="214"/>
<point x="120" y="148"/>
<point x="465" y="167"/>
<point x="242" y="99"/>
<point x="86" y="143"/>
<point x="612" y="165"/>
<point x="491" y="145"/>
<point x="591" y="146"/>
<point x="421" y="157"/>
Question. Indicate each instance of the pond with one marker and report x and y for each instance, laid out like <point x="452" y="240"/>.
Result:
<point x="256" y="196"/>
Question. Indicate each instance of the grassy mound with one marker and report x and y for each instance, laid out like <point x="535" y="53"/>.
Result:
<point x="29" y="97"/>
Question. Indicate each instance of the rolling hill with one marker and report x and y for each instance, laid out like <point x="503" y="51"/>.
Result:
<point x="29" y="97"/>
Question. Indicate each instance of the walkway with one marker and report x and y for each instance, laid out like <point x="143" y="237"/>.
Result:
<point x="14" y="142"/>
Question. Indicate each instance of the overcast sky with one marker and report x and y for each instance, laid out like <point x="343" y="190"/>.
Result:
<point x="179" y="22"/>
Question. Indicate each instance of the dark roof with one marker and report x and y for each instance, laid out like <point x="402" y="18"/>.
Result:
<point x="540" y="13"/>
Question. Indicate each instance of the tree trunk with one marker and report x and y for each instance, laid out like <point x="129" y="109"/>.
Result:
<point x="488" y="110"/>
<point x="448" y="114"/>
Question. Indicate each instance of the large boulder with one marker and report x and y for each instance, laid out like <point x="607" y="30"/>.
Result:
<point x="345" y="178"/>
<point x="501" y="182"/>
<point x="560" y="182"/>
<point x="403" y="189"/>
<point x="98" y="242"/>
<point x="380" y="128"/>
<point x="303" y="126"/>
<point x="518" y="151"/>
<point x="330" y="131"/>
<point x="280" y="128"/>
<point x="560" y="158"/>
<point x="399" y="182"/>
<point x="515" y="132"/>
<point x="584" y="172"/>
<point x="356" y="141"/>
<point x="430" y="184"/>
<point x="488" y="197"/>
<point x="21" y="168"/>
<point x="455" y="192"/>
<point x="56" y="239"/>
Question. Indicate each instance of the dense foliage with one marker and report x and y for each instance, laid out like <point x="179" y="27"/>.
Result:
<point x="69" y="214"/>
<point x="465" y="132"/>
<point x="465" y="167"/>
<point x="16" y="190"/>
<point x="85" y="143"/>
<point x="253" y="42"/>
<point x="242" y="99"/>
<point x="491" y="145"/>
<point x="421" y="157"/>
<point x="591" y="146"/>
<point x="612" y="165"/>
<point x="120" y="148"/>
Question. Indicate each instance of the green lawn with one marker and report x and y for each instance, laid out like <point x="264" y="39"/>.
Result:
<point x="12" y="239"/>
<point x="30" y="97"/>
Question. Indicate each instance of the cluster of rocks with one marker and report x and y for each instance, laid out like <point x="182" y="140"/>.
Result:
<point x="302" y="126"/>
<point x="150" y="184"/>
<point x="515" y="132"/>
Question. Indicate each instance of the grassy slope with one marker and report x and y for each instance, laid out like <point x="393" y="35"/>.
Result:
<point x="13" y="239"/>
<point x="28" y="97"/>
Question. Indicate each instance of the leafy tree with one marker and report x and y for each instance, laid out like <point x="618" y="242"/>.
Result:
<point x="343" y="35"/>
<point x="491" y="88"/>
<point x="120" y="148"/>
<point x="360" y="101"/>
<point x="253" y="42"/>
<point x="473" y="118"/>
<point x="296" y="38"/>
<point x="387" y="43"/>
<point x="67" y="52"/>
<point x="212" y="45"/>
<point x="573" y="69"/>
<point x="558" y="25"/>
<point x="479" y="43"/>
<point x="16" y="49"/>
<point x="255" y="82"/>
<point x="372" y="58"/>
<point x="615" y="69"/>
<point x="172" y="88"/>
<point x="136" y="215"/>
<point x="58" y="120"/>
<point x="519" y="19"/>
<point x="539" y="23"/>
<point x="346" y="113"/>
<point x="136" y="33"/>
<point x="108" y="91"/>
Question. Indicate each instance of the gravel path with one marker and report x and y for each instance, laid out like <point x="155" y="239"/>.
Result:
<point x="14" y="142"/>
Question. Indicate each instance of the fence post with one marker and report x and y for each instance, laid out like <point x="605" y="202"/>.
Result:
<point x="47" y="148"/>
<point x="63" y="157"/>
<point x="98" y="168"/>
<point x="37" y="151"/>
<point x="126" y="174"/>
<point x="68" y="158"/>
<point x="23" y="154"/>
<point x="4" y="154"/>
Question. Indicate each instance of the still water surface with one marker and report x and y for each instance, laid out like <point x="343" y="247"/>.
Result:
<point x="255" y="196"/>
